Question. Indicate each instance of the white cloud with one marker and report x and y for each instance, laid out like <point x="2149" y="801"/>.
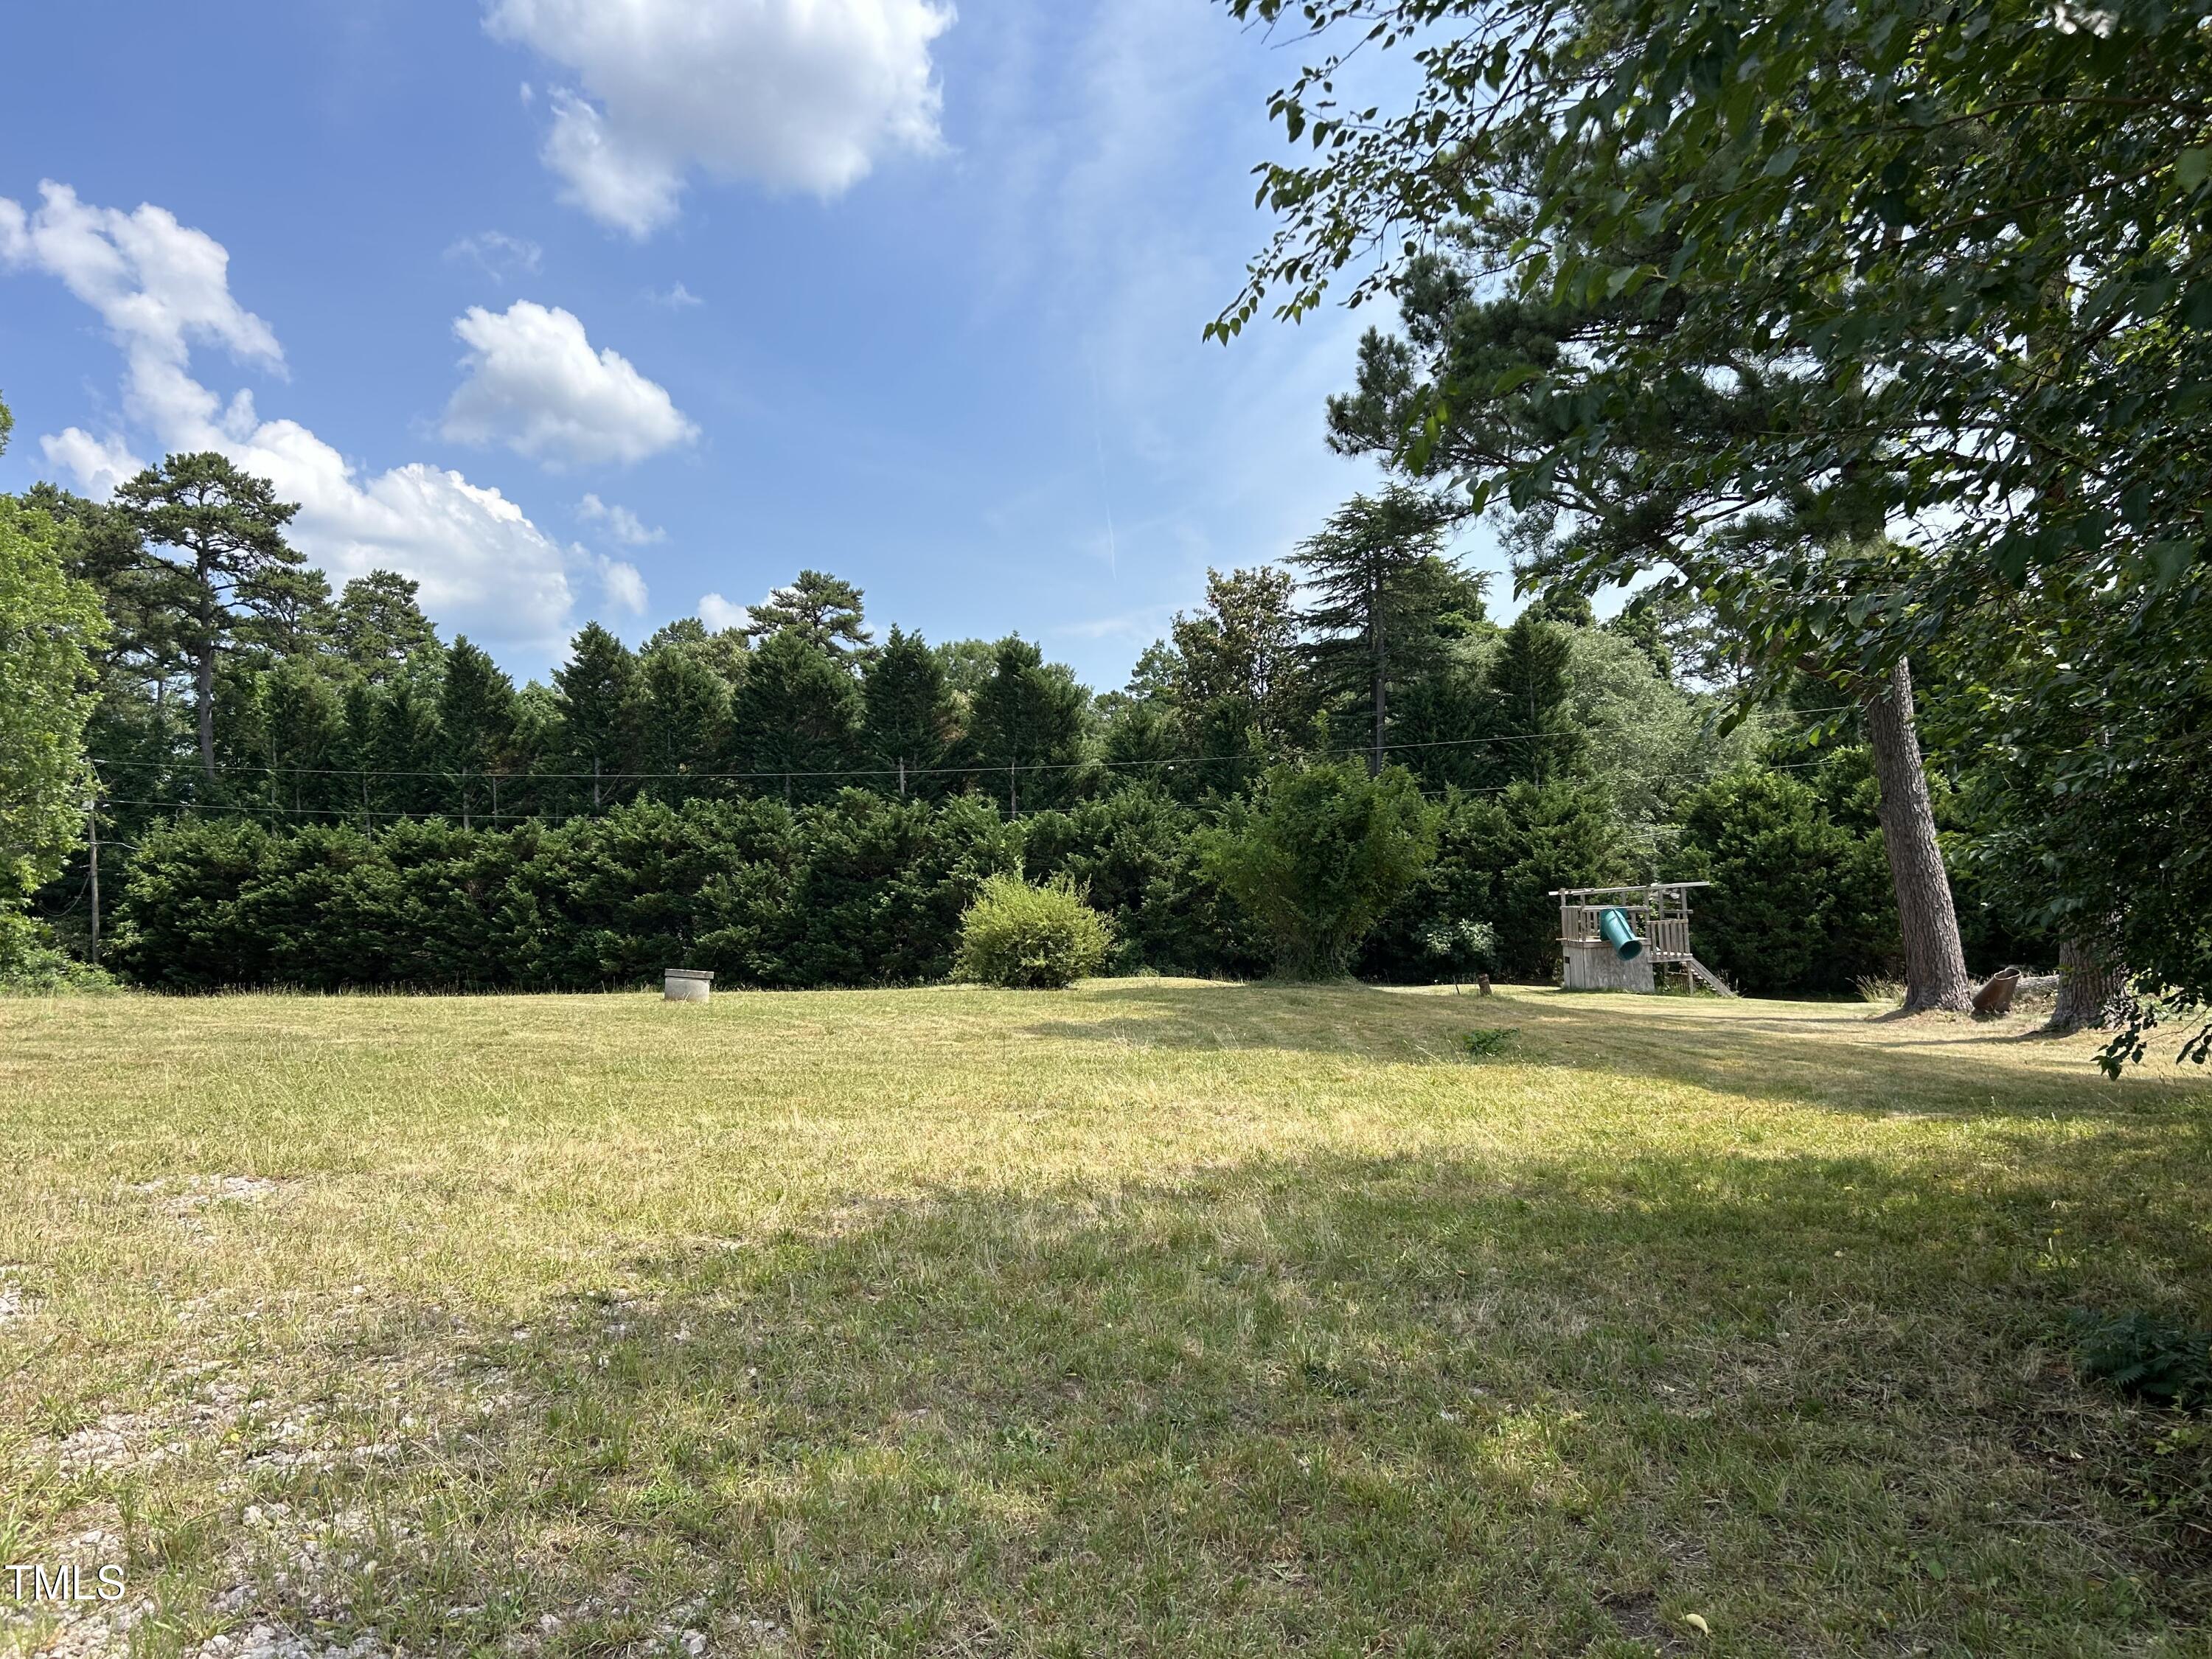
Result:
<point x="624" y="525"/>
<point x="497" y="254"/>
<point x="485" y="568"/>
<point x="535" y="385"/>
<point x="98" y="464"/>
<point x="718" y="613"/>
<point x="161" y="289"/>
<point x="623" y="584"/>
<point x="616" y="181"/>
<point x="678" y="298"/>
<point x="796" y="95"/>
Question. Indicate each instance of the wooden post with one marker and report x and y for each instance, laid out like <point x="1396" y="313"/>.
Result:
<point x="96" y="869"/>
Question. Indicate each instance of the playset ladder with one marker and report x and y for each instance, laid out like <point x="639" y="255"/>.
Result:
<point x="1703" y="975"/>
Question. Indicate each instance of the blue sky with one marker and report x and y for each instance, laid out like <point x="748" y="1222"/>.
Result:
<point x="578" y="309"/>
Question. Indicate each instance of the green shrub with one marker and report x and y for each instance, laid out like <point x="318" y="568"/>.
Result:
<point x="1031" y="938"/>
<point x="31" y="963"/>
<point x="1134" y="854"/>
<point x="1458" y="946"/>
<point x="1319" y="856"/>
<point x="2142" y="1354"/>
<point x="1486" y="1040"/>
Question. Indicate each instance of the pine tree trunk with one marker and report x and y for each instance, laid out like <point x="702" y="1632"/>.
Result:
<point x="2089" y="989"/>
<point x="1375" y="755"/>
<point x="1935" y="963"/>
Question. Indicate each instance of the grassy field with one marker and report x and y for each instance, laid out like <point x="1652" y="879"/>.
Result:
<point x="1152" y="1317"/>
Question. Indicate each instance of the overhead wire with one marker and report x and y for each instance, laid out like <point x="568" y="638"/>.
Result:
<point x="971" y="769"/>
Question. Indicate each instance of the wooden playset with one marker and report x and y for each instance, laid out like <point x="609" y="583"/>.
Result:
<point x="1620" y="938"/>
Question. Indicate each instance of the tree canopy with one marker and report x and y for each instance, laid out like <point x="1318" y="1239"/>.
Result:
<point x="1876" y="322"/>
<point x="51" y="636"/>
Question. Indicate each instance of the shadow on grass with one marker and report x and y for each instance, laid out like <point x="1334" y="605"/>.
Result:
<point x="1419" y="1406"/>
<point x="1836" y="1062"/>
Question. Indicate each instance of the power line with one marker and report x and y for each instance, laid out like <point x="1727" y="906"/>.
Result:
<point x="972" y="770"/>
<point x="349" y="814"/>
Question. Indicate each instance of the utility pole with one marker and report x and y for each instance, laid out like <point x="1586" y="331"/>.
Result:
<point x="1013" y="802"/>
<point x="902" y="777"/>
<point x="95" y="821"/>
<point x="595" y="783"/>
<point x="464" y="799"/>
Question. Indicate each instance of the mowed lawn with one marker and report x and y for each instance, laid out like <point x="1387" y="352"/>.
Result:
<point x="1152" y="1317"/>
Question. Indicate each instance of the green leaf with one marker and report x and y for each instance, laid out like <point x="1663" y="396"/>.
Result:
<point x="2169" y="559"/>
<point x="2193" y="166"/>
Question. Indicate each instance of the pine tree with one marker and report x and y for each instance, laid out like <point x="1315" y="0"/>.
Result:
<point x="798" y="720"/>
<point x="525" y="791"/>
<point x="303" y="728"/>
<point x="476" y="716"/>
<point x="1537" y="738"/>
<point x="909" y="721"/>
<point x="686" y="729"/>
<point x="405" y="752"/>
<point x="1379" y="576"/>
<point x="824" y="609"/>
<point x="1432" y="719"/>
<point x="222" y="531"/>
<point x="599" y="706"/>
<point x="145" y="598"/>
<point x="296" y="618"/>
<point x="1025" y="734"/>
<point x="378" y="625"/>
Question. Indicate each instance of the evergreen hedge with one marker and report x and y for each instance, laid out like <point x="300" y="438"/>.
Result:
<point x="857" y="890"/>
<point x="862" y="888"/>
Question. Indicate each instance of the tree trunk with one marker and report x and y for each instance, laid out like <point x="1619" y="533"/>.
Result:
<point x="203" y="690"/>
<point x="1375" y="755"/>
<point x="2089" y="989"/>
<point x="1935" y="963"/>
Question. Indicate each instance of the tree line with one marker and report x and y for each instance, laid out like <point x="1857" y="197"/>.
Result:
<point x="247" y="725"/>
